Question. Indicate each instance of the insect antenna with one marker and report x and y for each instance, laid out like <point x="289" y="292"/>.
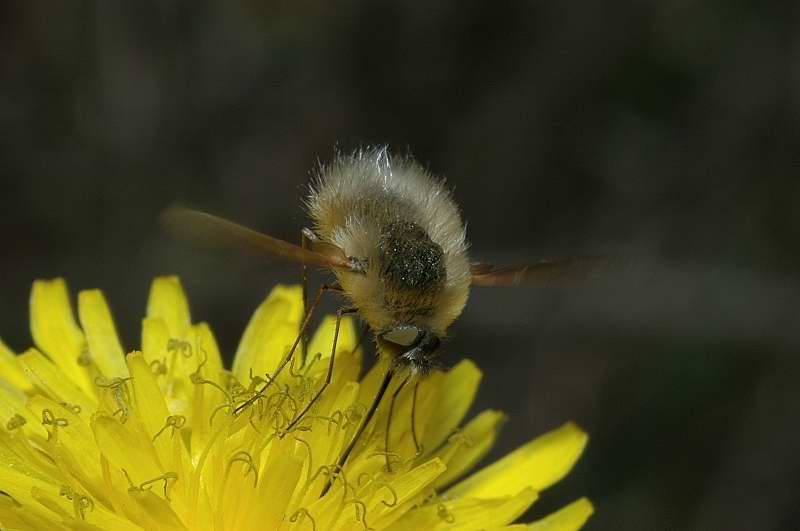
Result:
<point x="387" y="378"/>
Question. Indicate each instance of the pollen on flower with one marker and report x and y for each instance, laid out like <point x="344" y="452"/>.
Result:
<point x="168" y="438"/>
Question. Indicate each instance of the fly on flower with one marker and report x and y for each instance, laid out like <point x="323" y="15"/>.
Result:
<point x="392" y="235"/>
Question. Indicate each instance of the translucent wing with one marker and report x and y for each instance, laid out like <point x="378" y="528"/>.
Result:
<point x="559" y="271"/>
<point x="206" y="229"/>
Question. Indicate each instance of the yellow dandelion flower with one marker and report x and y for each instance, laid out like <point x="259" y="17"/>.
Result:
<point x="92" y="439"/>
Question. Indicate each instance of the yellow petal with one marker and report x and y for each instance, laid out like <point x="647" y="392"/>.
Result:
<point x="388" y="505"/>
<point x="101" y="334"/>
<point x="538" y="464"/>
<point x="466" y="514"/>
<point x="282" y="472"/>
<point x="208" y="351"/>
<point x="10" y="370"/>
<point x="269" y="335"/>
<point x="49" y="379"/>
<point x="6" y="354"/>
<point x="19" y="483"/>
<point x="413" y="481"/>
<point x="115" y="440"/>
<point x="456" y="396"/>
<point x="469" y="445"/>
<point x="405" y="489"/>
<point x="322" y="340"/>
<point x="101" y="518"/>
<point x="157" y="511"/>
<point x="372" y="380"/>
<point x="75" y="435"/>
<point x="14" y="402"/>
<point x="206" y="396"/>
<point x="325" y="442"/>
<point x="54" y="330"/>
<point x="568" y="518"/>
<point x="72" y="446"/>
<point x="149" y="404"/>
<point x="319" y="348"/>
<point x="167" y="301"/>
<point x="155" y="338"/>
<point x="19" y="456"/>
<point x="16" y="516"/>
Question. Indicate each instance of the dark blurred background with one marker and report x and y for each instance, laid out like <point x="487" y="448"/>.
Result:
<point x="666" y="133"/>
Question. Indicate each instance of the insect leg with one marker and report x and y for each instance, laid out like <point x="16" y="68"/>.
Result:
<point x="389" y="423"/>
<point x="307" y="237"/>
<point x="290" y="354"/>
<point x="339" y="314"/>
<point x="387" y="378"/>
<point x="417" y="444"/>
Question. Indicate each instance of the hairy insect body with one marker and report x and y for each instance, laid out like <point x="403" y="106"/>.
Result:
<point x="393" y="236"/>
<point x="412" y="268"/>
<point x="402" y="226"/>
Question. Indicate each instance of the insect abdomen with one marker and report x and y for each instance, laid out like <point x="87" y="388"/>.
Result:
<point x="412" y="268"/>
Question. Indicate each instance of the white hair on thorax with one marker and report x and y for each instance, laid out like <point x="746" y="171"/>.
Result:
<point x="355" y="196"/>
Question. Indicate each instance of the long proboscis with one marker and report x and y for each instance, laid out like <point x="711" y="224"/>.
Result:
<point x="209" y="230"/>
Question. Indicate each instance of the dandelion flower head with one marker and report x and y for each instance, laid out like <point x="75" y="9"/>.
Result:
<point x="94" y="439"/>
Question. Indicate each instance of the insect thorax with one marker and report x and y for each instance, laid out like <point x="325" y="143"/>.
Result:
<point x="412" y="269"/>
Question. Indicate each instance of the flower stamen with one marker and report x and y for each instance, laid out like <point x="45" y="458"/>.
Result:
<point x="158" y="367"/>
<point x="166" y="477"/>
<point x="119" y="391"/>
<point x="80" y="502"/>
<point x="217" y="409"/>
<point x="302" y="512"/>
<point x="85" y="358"/>
<point x="179" y="346"/>
<point x="361" y="512"/>
<point x="244" y="457"/>
<point x="49" y="419"/>
<point x="74" y="408"/>
<point x="175" y="422"/>
<point x="391" y="490"/>
<point x="443" y="513"/>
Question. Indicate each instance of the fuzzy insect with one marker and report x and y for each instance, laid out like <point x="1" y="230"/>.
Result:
<point x="395" y="240"/>
<point x="402" y="233"/>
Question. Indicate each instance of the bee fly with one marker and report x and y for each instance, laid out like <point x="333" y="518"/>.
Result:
<point x="393" y="236"/>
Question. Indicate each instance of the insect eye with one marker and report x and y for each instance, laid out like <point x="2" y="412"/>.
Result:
<point x="402" y="335"/>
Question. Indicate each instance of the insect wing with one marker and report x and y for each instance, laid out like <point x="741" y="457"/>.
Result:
<point x="207" y="229"/>
<point x="556" y="272"/>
